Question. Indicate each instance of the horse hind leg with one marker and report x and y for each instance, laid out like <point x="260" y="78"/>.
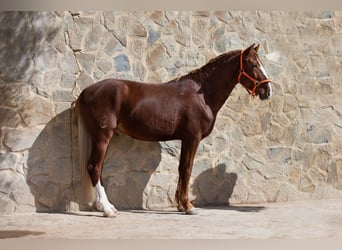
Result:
<point x="95" y="166"/>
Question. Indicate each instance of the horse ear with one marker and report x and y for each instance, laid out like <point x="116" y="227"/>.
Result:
<point x="249" y="49"/>
<point x="256" y="48"/>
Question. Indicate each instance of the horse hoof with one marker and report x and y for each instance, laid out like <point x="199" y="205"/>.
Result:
<point x="192" y="211"/>
<point x="181" y="209"/>
<point x="110" y="213"/>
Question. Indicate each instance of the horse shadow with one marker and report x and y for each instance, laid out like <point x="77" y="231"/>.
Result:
<point x="128" y="167"/>
<point x="54" y="176"/>
<point x="214" y="186"/>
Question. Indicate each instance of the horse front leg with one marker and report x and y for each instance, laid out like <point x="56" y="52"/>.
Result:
<point x="188" y="152"/>
<point x="95" y="165"/>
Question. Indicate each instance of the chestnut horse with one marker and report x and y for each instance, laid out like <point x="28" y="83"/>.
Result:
<point x="182" y="109"/>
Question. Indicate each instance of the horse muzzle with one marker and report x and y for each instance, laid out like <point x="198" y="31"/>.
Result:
<point x="265" y="91"/>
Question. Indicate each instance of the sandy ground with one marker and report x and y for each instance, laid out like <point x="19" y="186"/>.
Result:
<point x="291" y="220"/>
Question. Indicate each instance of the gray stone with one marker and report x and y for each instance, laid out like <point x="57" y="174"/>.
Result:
<point x="317" y="135"/>
<point x="157" y="198"/>
<point x="228" y="41"/>
<point x="84" y="80"/>
<point x="109" y="20"/>
<point x="21" y="139"/>
<point x="84" y="24"/>
<point x="7" y="181"/>
<point x="171" y="147"/>
<point x="137" y="47"/>
<point x="59" y="42"/>
<point x="45" y="58"/>
<point x="63" y="96"/>
<point x="74" y="35"/>
<point x="8" y="161"/>
<point x="194" y="59"/>
<point x="153" y="36"/>
<point x="9" y="118"/>
<point x="86" y="61"/>
<point x="51" y="79"/>
<point x="97" y="75"/>
<point x="111" y="46"/>
<point x="200" y="165"/>
<point x="161" y="180"/>
<point x="42" y="109"/>
<point x="322" y="14"/>
<point x="122" y="63"/>
<point x="280" y="155"/>
<point x="139" y="71"/>
<point x="252" y="162"/>
<point x="105" y="66"/>
<point x="199" y="26"/>
<point x="7" y="205"/>
<point x="120" y="32"/>
<point x="68" y="81"/>
<point x="21" y="193"/>
<point x="93" y="38"/>
<point x="15" y="94"/>
<point x="68" y="63"/>
<point x="182" y="35"/>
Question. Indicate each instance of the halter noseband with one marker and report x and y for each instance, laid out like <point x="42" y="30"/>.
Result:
<point x="255" y="81"/>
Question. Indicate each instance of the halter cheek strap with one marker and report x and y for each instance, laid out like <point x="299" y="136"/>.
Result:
<point x="255" y="81"/>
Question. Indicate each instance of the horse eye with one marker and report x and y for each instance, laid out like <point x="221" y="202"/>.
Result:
<point x="254" y="65"/>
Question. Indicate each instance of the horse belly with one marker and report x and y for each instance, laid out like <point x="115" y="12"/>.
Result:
<point x="153" y="122"/>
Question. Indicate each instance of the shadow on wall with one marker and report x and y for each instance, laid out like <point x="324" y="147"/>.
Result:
<point x="55" y="181"/>
<point x="50" y="172"/>
<point x="21" y="37"/>
<point x="128" y="167"/>
<point x="214" y="186"/>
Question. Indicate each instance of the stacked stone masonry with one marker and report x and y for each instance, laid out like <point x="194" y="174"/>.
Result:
<point x="287" y="148"/>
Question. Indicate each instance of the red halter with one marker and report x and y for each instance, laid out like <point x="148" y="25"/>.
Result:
<point x="255" y="81"/>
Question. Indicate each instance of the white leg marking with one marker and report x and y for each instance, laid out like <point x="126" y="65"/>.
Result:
<point x="102" y="203"/>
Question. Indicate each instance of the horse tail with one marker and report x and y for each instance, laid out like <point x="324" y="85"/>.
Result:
<point x="84" y="151"/>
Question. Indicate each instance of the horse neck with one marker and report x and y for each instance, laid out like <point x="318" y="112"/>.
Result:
<point x="220" y="79"/>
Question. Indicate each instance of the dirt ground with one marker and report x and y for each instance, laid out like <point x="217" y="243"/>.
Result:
<point x="290" y="220"/>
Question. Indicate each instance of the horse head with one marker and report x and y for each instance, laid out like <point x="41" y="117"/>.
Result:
<point x="253" y="75"/>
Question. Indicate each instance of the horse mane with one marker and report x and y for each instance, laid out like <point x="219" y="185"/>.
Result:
<point x="204" y="71"/>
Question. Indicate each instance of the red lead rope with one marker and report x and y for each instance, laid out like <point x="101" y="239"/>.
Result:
<point x="255" y="81"/>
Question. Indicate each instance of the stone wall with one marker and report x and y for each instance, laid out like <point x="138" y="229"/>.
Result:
<point x="288" y="148"/>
